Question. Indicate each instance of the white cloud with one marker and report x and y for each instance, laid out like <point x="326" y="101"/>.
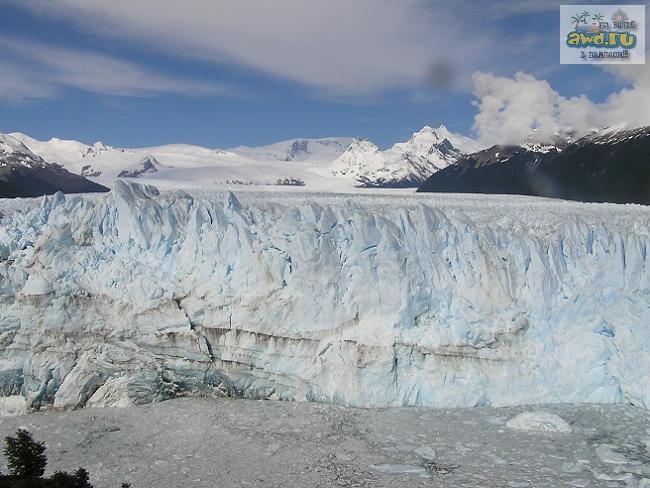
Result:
<point x="35" y="70"/>
<point x="342" y="47"/>
<point x="501" y="9"/>
<point x="18" y="83"/>
<point x="510" y="109"/>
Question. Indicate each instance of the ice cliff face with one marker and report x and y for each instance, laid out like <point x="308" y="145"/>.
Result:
<point x="371" y="301"/>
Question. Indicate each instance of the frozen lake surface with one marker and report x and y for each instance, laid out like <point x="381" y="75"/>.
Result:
<point x="194" y="442"/>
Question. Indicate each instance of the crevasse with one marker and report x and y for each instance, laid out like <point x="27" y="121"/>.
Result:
<point x="372" y="301"/>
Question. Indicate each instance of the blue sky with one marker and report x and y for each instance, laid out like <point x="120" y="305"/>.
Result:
<point x="223" y="73"/>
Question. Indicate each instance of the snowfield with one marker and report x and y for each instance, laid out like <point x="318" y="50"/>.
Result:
<point x="331" y="165"/>
<point x="358" y="300"/>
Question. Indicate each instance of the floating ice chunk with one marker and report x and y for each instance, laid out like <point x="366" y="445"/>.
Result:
<point x="427" y="452"/>
<point x="612" y="477"/>
<point x="607" y="454"/>
<point x="538" y="420"/>
<point x="646" y="445"/>
<point x="13" y="406"/>
<point x="579" y="483"/>
<point x="398" y="469"/>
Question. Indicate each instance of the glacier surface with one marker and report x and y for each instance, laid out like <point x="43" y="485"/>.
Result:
<point x="437" y="300"/>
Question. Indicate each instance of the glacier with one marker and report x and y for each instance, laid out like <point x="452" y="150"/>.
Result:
<point x="362" y="300"/>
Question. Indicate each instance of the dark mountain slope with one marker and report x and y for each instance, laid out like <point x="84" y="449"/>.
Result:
<point x="609" y="166"/>
<point x="23" y="174"/>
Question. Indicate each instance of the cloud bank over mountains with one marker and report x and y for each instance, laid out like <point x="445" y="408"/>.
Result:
<point x="511" y="109"/>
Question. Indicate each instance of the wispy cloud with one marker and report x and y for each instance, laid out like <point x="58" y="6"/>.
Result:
<point x="18" y="83"/>
<point x="337" y="46"/>
<point x="356" y="50"/>
<point x="503" y="9"/>
<point x="31" y="69"/>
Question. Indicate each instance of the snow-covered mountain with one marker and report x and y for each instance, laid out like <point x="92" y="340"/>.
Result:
<point x="440" y="138"/>
<point x="333" y="164"/>
<point x="14" y="152"/>
<point x="102" y="163"/>
<point x="146" y="166"/>
<point x="360" y="158"/>
<point x="183" y="165"/>
<point x="610" y="165"/>
<point x="138" y="296"/>
<point x="297" y="150"/>
<point x="404" y="164"/>
<point x="24" y="174"/>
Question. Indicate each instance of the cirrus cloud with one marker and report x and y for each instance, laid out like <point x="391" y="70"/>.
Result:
<point x="339" y="47"/>
<point x="30" y="69"/>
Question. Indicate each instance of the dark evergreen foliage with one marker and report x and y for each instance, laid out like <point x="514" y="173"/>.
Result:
<point x="26" y="461"/>
<point x="25" y="457"/>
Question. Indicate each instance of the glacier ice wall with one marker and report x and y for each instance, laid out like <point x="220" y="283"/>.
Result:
<point x="138" y="296"/>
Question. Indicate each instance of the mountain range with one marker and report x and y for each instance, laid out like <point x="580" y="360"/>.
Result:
<point x="24" y="174"/>
<point x="405" y="164"/>
<point x="331" y="164"/>
<point x="610" y="165"/>
<point x="606" y="166"/>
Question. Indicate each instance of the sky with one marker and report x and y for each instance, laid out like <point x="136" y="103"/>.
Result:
<point x="222" y="73"/>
